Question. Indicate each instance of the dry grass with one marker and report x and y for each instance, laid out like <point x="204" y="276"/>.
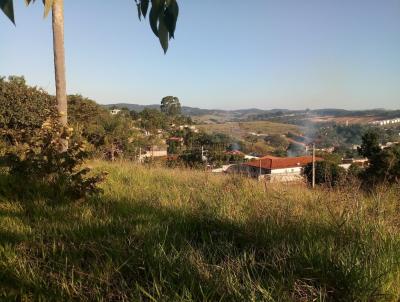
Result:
<point x="180" y="235"/>
<point x="242" y="129"/>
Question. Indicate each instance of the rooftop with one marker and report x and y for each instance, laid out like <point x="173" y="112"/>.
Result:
<point x="272" y="162"/>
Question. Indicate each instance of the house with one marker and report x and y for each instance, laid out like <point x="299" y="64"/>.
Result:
<point x="275" y="169"/>
<point x="386" y="122"/>
<point x="240" y="153"/>
<point x="153" y="151"/>
<point x="189" y="127"/>
<point x="361" y="162"/>
<point x="327" y="150"/>
<point x="115" y="111"/>
<point x="388" y="145"/>
<point x="250" y="157"/>
<point x="175" y="139"/>
<point x="223" y="169"/>
<point x="234" y="152"/>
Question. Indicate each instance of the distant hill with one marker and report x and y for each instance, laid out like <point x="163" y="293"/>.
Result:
<point x="213" y="116"/>
<point x="218" y="114"/>
<point x="131" y="107"/>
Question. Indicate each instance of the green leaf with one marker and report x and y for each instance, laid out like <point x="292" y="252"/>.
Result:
<point x="163" y="34"/>
<point x="144" y="5"/>
<point x="171" y="16"/>
<point x="139" y="11"/>
<point x="8" y="9"/>
<point x="47" y="7"/>
<point x="157" y="8"/>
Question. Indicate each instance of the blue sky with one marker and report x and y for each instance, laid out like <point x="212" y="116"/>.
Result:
<point x="227" y="53"/>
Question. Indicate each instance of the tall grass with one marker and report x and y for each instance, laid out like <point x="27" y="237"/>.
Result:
<point x="179" y="235"/>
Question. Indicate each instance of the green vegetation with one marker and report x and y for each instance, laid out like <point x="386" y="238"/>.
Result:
<point x="384" y="164"/>
<point x="23" y="107"/>
<point x="171" y="106"/>
<point x="327" y="173"/>
<point x="261" y="137"/>
<point x="180" y="235"/>
<point x="240" y="130"/>
<point x="345" y="136"/>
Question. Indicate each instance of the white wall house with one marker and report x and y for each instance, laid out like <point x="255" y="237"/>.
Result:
<point x="292" y="170"/>
<point x="386" y="122"/>
<point x="115" y="111"/>
<point x="275" y="169"/>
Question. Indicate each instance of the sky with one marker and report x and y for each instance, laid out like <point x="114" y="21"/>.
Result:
<point x="228" y="54"/>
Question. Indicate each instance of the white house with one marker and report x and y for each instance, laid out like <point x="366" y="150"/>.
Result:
<point x="386" y="122"/>
<point x="275" y="169"/>
<point x="115" y="111"/>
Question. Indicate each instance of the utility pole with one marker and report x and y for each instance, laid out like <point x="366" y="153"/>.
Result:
<point x="313" y="165"/>
<point x="260" y="169"/>
<point x="203" y="157"/>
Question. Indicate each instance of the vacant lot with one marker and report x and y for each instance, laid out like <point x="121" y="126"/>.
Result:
<point x="242" y="129"/>
<point x="345" y="119"/>
<point x="177" y="235"/>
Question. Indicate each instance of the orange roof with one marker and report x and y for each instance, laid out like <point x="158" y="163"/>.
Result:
<point x="272" y="162"/>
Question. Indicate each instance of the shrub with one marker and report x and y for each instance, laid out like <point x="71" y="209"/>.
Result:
<point x="24" y="107"/>
<point x="328" y="173"/>
<point x="34" y="161"/>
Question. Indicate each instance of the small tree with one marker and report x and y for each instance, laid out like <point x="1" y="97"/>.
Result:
<point x="326" y="172"/>
<point x="171" y="106"/>
<point x="370" y="144"/>
<point x="163" y="18"/>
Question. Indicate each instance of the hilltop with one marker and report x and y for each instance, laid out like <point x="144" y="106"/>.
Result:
<point x="211" y="116"/>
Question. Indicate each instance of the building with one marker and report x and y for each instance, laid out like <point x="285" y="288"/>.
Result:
<point x="388" y="145"/>
<point x="361" y="162"/>
<point x="275" y="169"/>
<point x="223" y="169"/>
<point x="386" y="122"/>
<point x="176" y="139"/>
<point x="152" y="152"/>
<point x="115" y="111"/>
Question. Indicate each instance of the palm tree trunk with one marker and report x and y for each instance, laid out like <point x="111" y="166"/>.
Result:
<point x="59" y="63"/>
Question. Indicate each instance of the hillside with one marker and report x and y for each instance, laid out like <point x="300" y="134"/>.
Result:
<point x="180" y="235"/>
<point x="240" y="130"/>
<point x="201" y="114"/>
<point x="212" y="116"/>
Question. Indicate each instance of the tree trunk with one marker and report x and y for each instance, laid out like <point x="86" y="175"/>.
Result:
<point x="59" y="63"/>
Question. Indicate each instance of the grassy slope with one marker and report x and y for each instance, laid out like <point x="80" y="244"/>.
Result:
<point x="173" y="235"/>
<point x="241" y="129"/>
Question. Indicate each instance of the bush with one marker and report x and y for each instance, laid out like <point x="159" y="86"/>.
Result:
<point x="24" y="107"/>
<point x="384" y="164"/>
<point x="328" y="173"/>
<point x="33" y="161"/>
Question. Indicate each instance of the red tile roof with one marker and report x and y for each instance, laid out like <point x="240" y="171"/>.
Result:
<point x="272" y="162"/>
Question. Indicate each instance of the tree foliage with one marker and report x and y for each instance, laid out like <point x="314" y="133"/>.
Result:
<point x="24" y="107"/>
<point x="326" y="172"/>
<point x="163" y="15"/>
<point x="33" y="162"/>
<point x="171" y="106"/>
<point x="370" y="144"/>
<point x="152" y="119"/>
<point x="384" y="164"/>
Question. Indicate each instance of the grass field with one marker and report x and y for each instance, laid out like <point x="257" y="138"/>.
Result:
<point x="178" y="235"/>
<point x="345" y="119"/>
<point x="242" y="129"/>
